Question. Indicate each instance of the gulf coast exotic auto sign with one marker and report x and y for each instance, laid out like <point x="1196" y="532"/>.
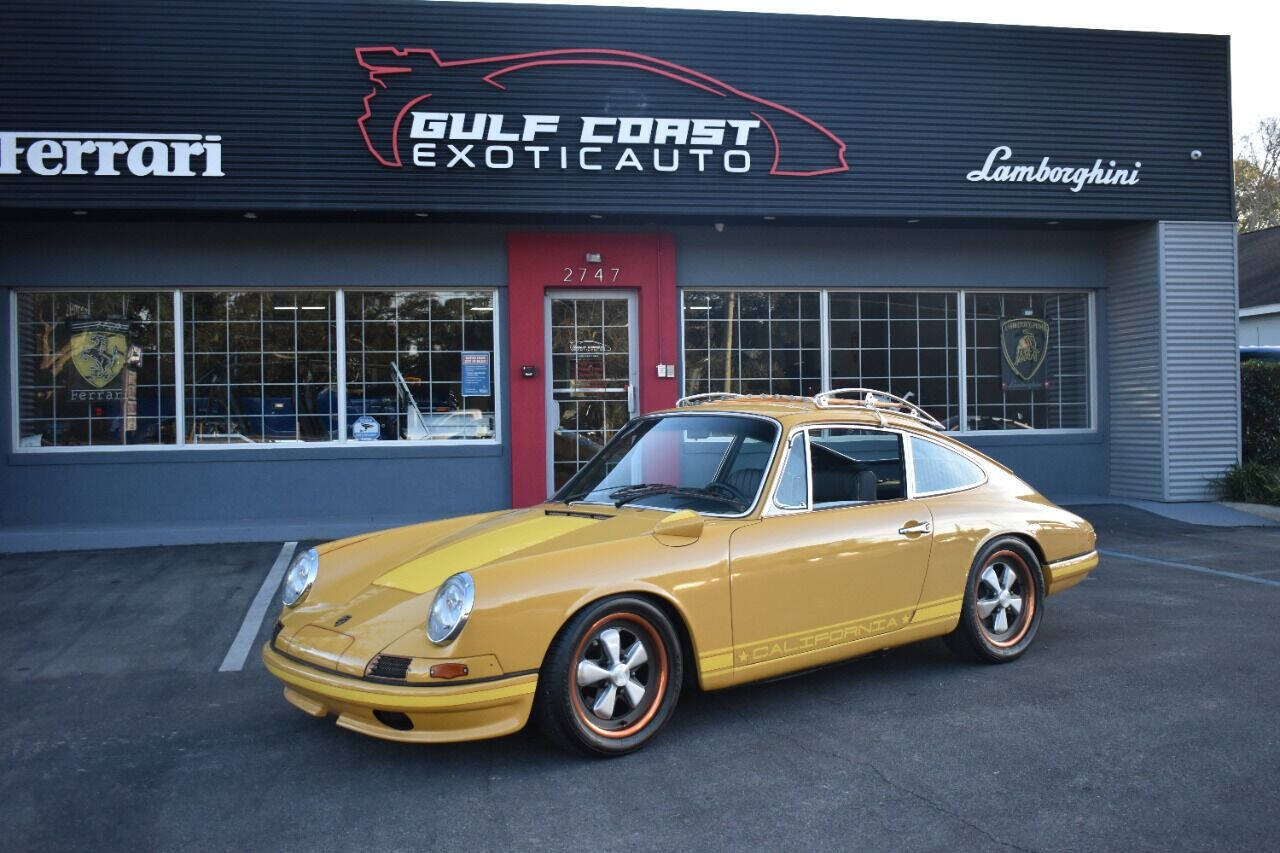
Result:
<point x="410" y="82"/>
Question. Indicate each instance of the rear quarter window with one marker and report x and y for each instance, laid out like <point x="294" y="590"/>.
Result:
<point x="937" y="469"/>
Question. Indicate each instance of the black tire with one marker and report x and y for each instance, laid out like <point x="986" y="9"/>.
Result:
<point x="569" y="711"/>
<point x="1018" y="578"/>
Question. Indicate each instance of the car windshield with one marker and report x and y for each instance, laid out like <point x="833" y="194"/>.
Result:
<point x="707" y="463"/>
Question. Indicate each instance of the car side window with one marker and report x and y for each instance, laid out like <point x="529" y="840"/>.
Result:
<point x="793" y="485"/>
<point x="937" y="469"/>
<point x="855" y="466"/>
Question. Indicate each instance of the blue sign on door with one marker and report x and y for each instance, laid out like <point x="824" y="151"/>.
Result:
<point x="475" y="374"/>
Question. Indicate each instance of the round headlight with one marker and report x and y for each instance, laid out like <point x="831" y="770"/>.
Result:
<point x="451" y="608"/>
<point x="297" y="583"/>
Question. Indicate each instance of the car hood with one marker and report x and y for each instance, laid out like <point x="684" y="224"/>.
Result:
<point x="374" y="589"/>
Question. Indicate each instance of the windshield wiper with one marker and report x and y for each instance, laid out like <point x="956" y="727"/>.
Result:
<point x="644" y="490"/>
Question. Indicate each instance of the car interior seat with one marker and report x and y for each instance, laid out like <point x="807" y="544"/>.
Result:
<point x="745" y="480"/>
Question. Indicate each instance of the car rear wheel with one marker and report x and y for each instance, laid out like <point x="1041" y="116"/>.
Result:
<point x="611" y="678"/>
<point x="1002" y="604"/>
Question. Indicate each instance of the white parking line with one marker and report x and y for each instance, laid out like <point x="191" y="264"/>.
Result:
<point x="240" y="646"/>
<point x="1189" y="567"/>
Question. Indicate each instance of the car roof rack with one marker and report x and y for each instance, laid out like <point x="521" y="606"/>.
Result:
<point x="714" y="396"/>
<point x="878" y="402"/>
<point x="710" y="397"/>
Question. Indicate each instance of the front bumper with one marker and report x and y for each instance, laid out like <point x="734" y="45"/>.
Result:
<point x="438" y="714"/>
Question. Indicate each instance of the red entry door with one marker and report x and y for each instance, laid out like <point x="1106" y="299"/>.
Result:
<point x="544" y="267"/>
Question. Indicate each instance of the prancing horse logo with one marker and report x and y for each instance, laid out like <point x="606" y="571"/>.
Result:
<point x="98" y="350"/>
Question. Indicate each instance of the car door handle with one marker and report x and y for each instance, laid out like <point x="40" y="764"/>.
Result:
<point x="915" y="528"/>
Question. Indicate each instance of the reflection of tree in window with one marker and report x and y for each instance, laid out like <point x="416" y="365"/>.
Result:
<point x="902" y="342"/>
<point x="422" y="334"/>
<point x="752" y="342"/>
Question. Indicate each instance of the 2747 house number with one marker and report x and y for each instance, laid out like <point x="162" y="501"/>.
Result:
<point x="600" y="274"/>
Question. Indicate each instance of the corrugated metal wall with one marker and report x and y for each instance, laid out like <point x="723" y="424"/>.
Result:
<point x="1133" y="338"/>
<point x="1201" y="358"/>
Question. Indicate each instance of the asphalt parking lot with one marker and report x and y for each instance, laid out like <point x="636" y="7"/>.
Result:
<point x="1145" y="717"/>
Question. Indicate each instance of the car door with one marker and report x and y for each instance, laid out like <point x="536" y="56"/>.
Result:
<point x="840" y="554"/>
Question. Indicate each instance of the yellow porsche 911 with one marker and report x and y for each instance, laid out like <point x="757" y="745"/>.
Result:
<point x="728" y="540"/>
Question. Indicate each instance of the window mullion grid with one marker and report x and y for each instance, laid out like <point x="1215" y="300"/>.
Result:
<point x="824" y="338"/>
<point x="919" y="346"/>
<point x="768" y="313"/>
<point x="963" y="362"/>
<point x="262" y="365"/>
<point x="179" y="372"/>
<point x="340" y="369"/>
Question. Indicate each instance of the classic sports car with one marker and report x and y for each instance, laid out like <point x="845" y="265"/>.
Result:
<point x="728" y="540"/>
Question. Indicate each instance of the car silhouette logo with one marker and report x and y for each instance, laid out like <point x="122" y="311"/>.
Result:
<point x="404" y="78"/>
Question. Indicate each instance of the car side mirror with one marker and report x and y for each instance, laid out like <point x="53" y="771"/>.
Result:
<point x="679" y="528"/>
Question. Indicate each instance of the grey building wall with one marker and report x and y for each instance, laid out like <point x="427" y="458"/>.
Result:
<point x="1137" y="367"/>
<point x="156" y="496"/>
<point x="1201" y="359"/>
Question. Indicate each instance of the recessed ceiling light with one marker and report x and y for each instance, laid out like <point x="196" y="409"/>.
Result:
<point x="912" y="221"/>
<point x="1052" y="222"/>
<point x="770" y="218"/>
<point x="423" y="215"/>
<point x="251" y="215"/>
<point x="597" y="216"/>
<point x="79" y="213"/>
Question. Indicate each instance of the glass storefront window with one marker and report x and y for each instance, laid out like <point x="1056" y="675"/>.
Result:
<point x="1027" y="360"/>
<point x="95" y="368"/>
<point x="258" y="366"/>
<point x="900" y="342"/>
<point x="420" y="364"/>
<point x="752" y="342"/>
<point x="1025" y="365"/>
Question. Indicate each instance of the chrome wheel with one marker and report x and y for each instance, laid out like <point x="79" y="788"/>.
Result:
<point x="620" y="675"/>
<point x="1005" y="599"/>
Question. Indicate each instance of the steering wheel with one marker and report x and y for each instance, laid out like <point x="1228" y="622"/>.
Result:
<point x="716" y="486"/>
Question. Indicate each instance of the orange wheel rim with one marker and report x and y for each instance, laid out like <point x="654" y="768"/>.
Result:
<point x="619" y="675"/>
<point x="1005" y="599"/>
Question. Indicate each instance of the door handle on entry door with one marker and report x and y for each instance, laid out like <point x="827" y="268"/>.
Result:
<point x="915" y="528"/>
<point x="631" y="400"/>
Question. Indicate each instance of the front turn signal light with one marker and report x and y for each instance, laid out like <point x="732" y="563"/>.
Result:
<point x="448" y="670"/>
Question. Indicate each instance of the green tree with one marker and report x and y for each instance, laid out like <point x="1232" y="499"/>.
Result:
<point x="1257" y="170"/>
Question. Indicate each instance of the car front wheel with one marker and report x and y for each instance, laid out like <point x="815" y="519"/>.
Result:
<point x="611" y="678"/>
<point x="1002" y="603"/>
